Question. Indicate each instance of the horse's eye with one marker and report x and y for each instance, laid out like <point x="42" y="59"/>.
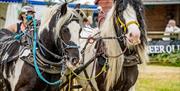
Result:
<point x="66" y="30"/>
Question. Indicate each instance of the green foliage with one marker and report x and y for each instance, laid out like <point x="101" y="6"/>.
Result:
<point x="172" y="59"/>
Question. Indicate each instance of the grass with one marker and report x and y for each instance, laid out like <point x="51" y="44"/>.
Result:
<point x="164" y="64"/>
<point x="161" y="80"/>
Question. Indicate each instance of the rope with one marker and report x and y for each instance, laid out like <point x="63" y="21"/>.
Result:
<point x="35" y="61"/>
<point x="83" y="78"/>
<point x="69" y="89"/>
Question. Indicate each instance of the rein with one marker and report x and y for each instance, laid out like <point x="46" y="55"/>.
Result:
<point x="35" y="41"/>
<point x="35" y="61"/>
<point x="123" y="25"/>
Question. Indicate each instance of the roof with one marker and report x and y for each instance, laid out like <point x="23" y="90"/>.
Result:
<point x="160" y="2"/>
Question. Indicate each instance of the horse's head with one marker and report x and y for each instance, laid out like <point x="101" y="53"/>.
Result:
<point x="129" y="20"/>
<point x="59" y="32"/>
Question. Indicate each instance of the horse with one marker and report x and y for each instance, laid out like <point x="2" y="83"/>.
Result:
<point x="56" y="45"/>
<point x="116" y="50"/>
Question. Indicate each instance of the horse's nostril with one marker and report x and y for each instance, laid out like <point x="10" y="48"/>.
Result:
<point x="75" y="60"/>
<point x="130" y="35"/>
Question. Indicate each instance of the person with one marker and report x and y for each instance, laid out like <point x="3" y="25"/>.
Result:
<point x="88" y="30"/>
<point x="26" y="16"/>
<point x="101" y="16"/>
<point x="171" y="28"/>
<point x="87" y="22"/>
<point x="24" y="12"/>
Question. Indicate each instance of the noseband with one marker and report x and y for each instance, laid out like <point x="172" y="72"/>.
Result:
<point x="125" y="26"/>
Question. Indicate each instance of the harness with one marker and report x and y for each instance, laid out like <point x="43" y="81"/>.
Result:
<point x="130" y="60"/>
<point x="133" y="58"/>
<point x="63" y="58"/>
<point x="46" y="65"/>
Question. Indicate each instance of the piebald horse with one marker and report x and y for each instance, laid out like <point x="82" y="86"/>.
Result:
<point x="56" y="46"/>
<point x="122" y="39"/>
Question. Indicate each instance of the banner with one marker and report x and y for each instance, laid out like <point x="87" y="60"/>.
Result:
<point x="161" y="46"/>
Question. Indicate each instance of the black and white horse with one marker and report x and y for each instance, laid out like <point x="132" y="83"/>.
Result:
<point x="124" y="45"/>
<point x="57" y="45"/>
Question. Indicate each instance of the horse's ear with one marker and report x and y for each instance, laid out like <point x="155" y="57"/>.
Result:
<point x="64" y="9"/>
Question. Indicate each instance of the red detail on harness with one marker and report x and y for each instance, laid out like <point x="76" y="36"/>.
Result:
<point x="91" y="40"/>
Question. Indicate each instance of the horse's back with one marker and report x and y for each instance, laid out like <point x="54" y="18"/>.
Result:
<point x="9" y="47"/>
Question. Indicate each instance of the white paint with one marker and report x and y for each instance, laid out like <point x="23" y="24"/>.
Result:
<point x="14" y="77"/>
<point x="163" y="48"/>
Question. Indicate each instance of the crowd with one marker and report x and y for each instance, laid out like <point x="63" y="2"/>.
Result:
<point x="90" y="22"/>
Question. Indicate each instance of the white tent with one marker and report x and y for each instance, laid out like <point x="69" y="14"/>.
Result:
<point x="11" y="11"/>
<point x="13" y="7"/>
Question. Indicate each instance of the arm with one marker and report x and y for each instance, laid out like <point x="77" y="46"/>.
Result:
<point x="12" y="28"/>
<point x="176" y="29"/>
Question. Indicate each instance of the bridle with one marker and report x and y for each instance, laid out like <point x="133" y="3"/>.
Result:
<point x="63" y="44"/>
<point x="120" y="24"/>
<point x="123" y="25"/>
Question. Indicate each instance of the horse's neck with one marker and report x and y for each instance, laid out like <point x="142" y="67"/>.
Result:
<point x="47" y="40"/>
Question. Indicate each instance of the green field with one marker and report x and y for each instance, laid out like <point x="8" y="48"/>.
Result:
<point x="159" y="78"/>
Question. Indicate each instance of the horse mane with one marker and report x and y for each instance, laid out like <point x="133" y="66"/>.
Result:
<point x="51" y="17"/>
<point x="47" y="18"/>
<point x="112" y="46"/>
<point x="112" y="49"/>
<point x="50" y="11"/>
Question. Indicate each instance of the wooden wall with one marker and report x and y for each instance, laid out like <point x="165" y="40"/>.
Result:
<point x="157" y="16"/>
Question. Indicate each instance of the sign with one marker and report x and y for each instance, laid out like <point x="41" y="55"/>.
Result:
<point x="161" y="46"/>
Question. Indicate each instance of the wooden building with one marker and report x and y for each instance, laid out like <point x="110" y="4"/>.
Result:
<point x="157" y="13"/>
